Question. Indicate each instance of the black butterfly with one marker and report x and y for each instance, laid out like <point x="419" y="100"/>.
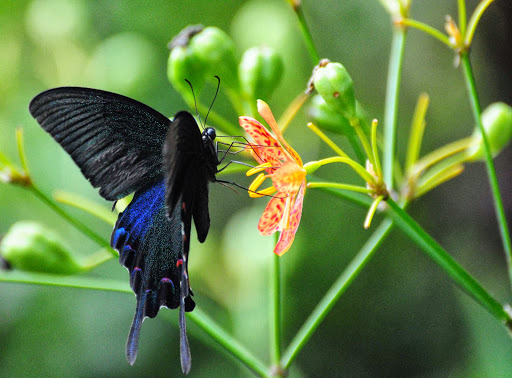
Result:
<point x="123" y="146"/>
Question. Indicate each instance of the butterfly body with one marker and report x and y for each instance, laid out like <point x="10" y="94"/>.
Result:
<point x="123" y="146"/>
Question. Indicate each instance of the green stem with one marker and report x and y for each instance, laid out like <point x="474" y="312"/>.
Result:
<point x="94" y="283"/>
<point x="93" y="208"/>
<point x="227" y="342"/>
<point x="462" y="16"/>
<point x="308" y="39"/>
<point x="335" y="292"/>
<point x="348" y="195"/>
<point x="76" y="223"/>
<point x="364" y="140"/>
<point x="356" y="147"/>
<point x="491" y="171"/>
<point x="427" y="29"/>
<point x="416" y="133"/>
<point x="276" y="310"/>
<point x="96" y="259"/>
<point x="473" y="21"/>
<point x="391" y="106"/>
<point x="440" y="154"/>
<point x="417" y="234"/>
<point x="76" y="281"/>
<point x="335" y="185"/>
<point x="312" y="166"/>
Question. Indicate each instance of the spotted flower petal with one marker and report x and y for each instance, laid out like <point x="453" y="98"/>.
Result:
<point x="272" y="216"/>
<point x="288" y="235"/>
<point x="265" y="147"/>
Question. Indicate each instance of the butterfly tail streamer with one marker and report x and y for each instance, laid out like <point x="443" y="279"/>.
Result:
<point x="132" y="344"/>
<point x="185" y="356"/>
<point x="186" y="217"/>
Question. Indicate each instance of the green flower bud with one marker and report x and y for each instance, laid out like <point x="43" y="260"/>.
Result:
<point x="28" y="246"/>
<point x="334" y="84"/>
<point x="216" y="51"/>
<point x="326" y="118"/>
<point x="184" y="64"/>
<point x="260" y="71"/>
<point x="497" y="122"/>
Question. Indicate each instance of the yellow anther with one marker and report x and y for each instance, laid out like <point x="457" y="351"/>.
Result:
<point x="257" y="182"/>
<point x="264" y="192"/>
<point x="259" y="168"/>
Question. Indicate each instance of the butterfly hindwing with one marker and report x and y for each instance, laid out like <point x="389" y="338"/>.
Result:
<point x="116" y="141"/>
<point x="150" y="247"/>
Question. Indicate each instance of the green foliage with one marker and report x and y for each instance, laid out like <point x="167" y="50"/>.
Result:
<point x="399" y="307"/>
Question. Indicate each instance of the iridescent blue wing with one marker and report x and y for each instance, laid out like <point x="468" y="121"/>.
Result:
<point x="150" y="247"/>
<point x="115" y="140"/>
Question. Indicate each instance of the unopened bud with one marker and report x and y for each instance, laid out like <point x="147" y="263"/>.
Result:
<point x="198" y="54"/>
<point x="335" y="85"/>
<point x="326" y="118"/>
<point x="497" y="122"/>
<point x="183" y="64"/>
<point x="260" y="71"/>
<point x="28" y="246"/>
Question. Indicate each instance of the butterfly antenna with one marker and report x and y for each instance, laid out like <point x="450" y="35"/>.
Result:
<point x="214" y="98"/>
<point x="195" y="103"/>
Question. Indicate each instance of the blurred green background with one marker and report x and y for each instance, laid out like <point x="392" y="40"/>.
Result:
<point x="402" y="315"/>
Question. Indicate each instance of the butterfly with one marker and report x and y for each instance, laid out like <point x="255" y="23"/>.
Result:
<point x="123" y="146"/>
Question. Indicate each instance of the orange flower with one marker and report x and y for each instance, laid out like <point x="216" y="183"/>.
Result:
<point x="284" y="166"/>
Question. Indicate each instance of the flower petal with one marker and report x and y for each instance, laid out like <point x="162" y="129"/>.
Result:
<point x="288" y="178"/>
<point x="267" y="115"/>
<point x="265" y="148"/>
<point x="288" y="235"/>
<point x="271" y="217"/>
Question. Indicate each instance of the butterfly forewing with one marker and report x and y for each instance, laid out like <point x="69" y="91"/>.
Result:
<point x="116" y="141"/>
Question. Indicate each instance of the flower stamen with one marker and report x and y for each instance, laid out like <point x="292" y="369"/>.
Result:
<point x="259" y="168"/>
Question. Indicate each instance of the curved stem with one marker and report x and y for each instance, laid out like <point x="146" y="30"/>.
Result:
<point x="427" y="29"/>
<point x="491" y="171"/>
<point x="391" y="106"/>
<point x="475" y="18"/>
